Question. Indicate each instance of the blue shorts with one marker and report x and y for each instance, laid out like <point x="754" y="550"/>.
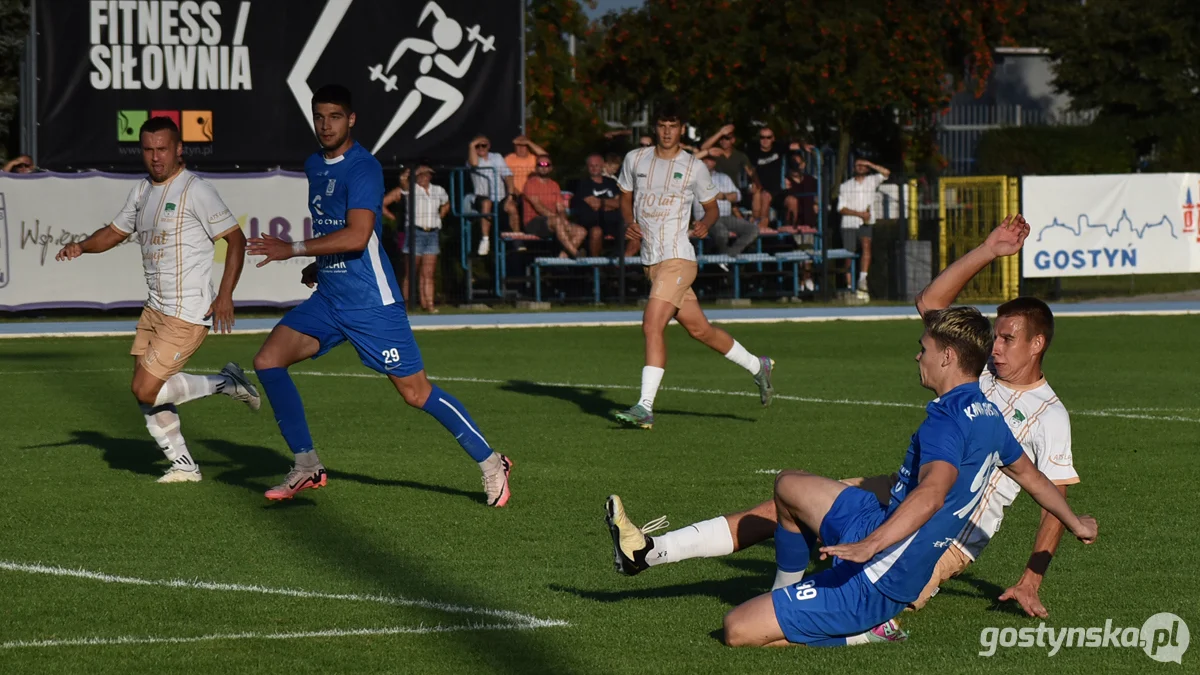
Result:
<point x="841" y="600"/>
<point x="381" y="335"/>
<point x="426" y="240"/>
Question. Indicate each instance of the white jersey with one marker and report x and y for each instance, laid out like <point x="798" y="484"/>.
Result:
<point x="1040" y="423"/>
<point x="664" y="190"/>
<point x="176" y="224"/>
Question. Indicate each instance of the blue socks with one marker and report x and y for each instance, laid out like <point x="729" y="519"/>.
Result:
<point x="289" y="409"/>
<point x="452" y="415"/>
<point x="792" y="549"/>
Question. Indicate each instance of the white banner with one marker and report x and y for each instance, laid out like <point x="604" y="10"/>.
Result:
<point x="1111" y="224"/>
<point x="40" y="213"/>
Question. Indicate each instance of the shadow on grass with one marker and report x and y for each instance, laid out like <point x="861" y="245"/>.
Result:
<point x="135" y="455"/>
<point x="734" y="591"/>
<point x="597" y="403"/>
<point x="981" y="589"/>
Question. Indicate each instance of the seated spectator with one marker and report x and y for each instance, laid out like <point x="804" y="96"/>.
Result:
<point x="596" y="206"/>
<point x="612" y="165"/>
<point x="545" y="214"/>
<point x="521" y="161"/>
<point x="645" y="141"/>
<point x="769" y="164"/>
<point x="21" y="164"/>
<point x="431" y="204"/>
<point x="800" y="197"/>
<point x="730" y="161"/>
<point x="491" y="188"/>
<point x="727" y="221"/>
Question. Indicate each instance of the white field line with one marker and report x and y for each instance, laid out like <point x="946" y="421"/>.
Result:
<point x="516" y="619"/>
<point x="598" y="323"/>
<point x="685" y="390"/>
<point x="330" y="633"/>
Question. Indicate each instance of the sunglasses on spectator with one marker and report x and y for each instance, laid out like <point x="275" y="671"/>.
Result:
<point x="767" y="138"/>
<point x="481" y="145"/>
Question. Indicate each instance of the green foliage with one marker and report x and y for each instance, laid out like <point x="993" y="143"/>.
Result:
<point x="1015" y="151"/>
<point x="14" y="28"/>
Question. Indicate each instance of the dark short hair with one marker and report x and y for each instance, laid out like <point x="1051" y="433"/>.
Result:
<point x="335" y="94"/>
<point x="156" y="124"/>
<point x="672" y="111"/>
<point x="1039" y="320"/>
<point x="966" y="331"/>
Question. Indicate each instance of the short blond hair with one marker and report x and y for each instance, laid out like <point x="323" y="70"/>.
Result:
<point x="965" y="330"/>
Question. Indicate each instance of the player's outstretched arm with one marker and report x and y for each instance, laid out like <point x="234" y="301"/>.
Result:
<point x="1005" y="240"/>
<point x="98" y="242"/>
<point x="360" y="223"/>
<point x="1045" y="543"/>
<point x="1048" y="496"/>
<point x="934" y="483"/>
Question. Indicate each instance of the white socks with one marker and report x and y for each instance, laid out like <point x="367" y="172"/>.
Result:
<point x="706" y="539"/>
<point x="786" y="578"/>
<point x="183" y="387"/>
<point x="651" y="378"/>
<point x="743" y="358"/>
<point x="862" y="281"/>
<point x="163" y="424"/>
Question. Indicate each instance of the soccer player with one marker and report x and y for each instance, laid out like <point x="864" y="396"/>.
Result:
<point x="884" y="556"/>
<point x="176" y="216"/>
<point x="356" y="300"/>
<point x="1013" y="381"/>
<point x="658" y="185"/>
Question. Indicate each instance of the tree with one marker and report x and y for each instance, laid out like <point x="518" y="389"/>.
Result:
<point x="561" y="102"/>
<point x="1137" y="63"/>
<point x="14" y="28"/>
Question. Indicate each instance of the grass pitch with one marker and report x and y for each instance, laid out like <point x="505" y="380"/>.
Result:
<point x="403" y="570"/>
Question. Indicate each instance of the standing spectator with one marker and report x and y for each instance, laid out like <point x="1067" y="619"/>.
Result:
<point x="431" y="204"/>
<point x="744" y="231"/>
<point x="545" y="213"/>
<point x="855" y="198"/>
<point x="21" y="164"/>
<point x="769" y="170"/>
<point x="596" y="204"/>
<point x="730" y="161"/>
<point x="492" y="186"/>
<point x="521" y="161"/>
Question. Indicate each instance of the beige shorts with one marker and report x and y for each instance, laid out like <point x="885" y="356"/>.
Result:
<point x="671" y="281"/>
<point x="165" y="343"/>
<point x="951" y="564"/>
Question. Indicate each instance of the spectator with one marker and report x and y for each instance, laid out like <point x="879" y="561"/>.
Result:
<point x="21" y="164"/>
<point x="596" y="206"/>
<point x="431" y="204"/>
<point x="492" y="187"/>
<point x="744" y="231"/>
<point x="730" y="161"/>
<point x="612" y="165"/>
<point x="645" y="141"/>
<point x="521" y="161"/>
<point x="545" y="214"/>
<point x="800" y="200"/>
<point x="855" y="198"/>
<point x="769" y="170"/>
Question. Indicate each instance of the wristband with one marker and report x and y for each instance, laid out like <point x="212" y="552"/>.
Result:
<point x="298" y="248"/>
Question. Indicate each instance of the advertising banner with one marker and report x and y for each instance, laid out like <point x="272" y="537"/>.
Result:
<point x="237" y="76"/>
<point x="1111" y="224"/>
<point x="41" y="213"/>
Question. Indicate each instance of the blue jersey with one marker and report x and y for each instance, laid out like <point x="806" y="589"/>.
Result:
<point x="966" y="430"/>
<point x="354" y="180"/>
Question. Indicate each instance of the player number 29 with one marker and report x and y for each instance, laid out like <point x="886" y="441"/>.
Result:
<point x="391" y="356"/>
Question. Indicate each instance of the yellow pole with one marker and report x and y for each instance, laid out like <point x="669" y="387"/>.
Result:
<point x="912" y="209"/>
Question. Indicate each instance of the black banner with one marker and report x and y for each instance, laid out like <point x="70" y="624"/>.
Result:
<point x="237" y="76"/>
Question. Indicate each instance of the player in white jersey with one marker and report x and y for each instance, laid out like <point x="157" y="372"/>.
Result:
<point x="176" y="217"/>
<point x="658" y="186"/>
<point x="1013" y="381"/>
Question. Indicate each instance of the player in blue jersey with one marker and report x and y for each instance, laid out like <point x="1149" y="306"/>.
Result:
<point x="357" y="300"/>
<point x="884" y="556"/>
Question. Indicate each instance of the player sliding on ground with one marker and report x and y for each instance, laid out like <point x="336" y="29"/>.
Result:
<point x="658" y="186"/>
<point x="176" y="216"/>
<point x="1013" y="381"/>
<point x="356" y="300"/>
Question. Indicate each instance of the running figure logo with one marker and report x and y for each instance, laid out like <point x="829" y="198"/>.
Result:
<point x="447" y="36"/>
